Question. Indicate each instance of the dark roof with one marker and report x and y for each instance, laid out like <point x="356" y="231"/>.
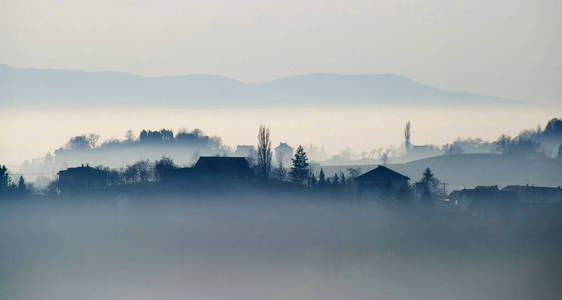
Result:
<point x="485" y="195"/>
<point x="82" y="170"/>
<point x="532" y="189"/>
<point x="223" y="165"/>
<point x="283" y="146"/>
<point x="382" y="173"/>
<point x="535" y="194"/>
<point x="486" y="188"/>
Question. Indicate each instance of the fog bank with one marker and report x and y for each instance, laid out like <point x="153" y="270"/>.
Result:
<point x="270" y="249"/>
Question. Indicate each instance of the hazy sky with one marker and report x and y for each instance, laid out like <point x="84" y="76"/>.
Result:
<point x="339" y="129"/>
<point x="508" y="48"/>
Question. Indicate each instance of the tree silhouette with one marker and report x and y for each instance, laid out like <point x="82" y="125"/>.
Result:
<point x="264" y="152"/>
<point x="429" y="179"/>
<point x="322" y="179"/>
<point x="130" y="174"/>
<point x="79" y="142"/>
<point x="521" y="146"/>
<point x="144" y="170"/>
<point x="430" y="185"/>
<point x="93" y="139"/>
<point x="354" y="172"/>
<point x="384" y="158"/>
<point x="312" y="182"/>
<point x="130" y="136"/>
<point x="162" y="166"/>
<point x="4" y="179"/>
<point x="407" y="136"/>
<point x="21" y="185"/>
<point x="300" y="169"/>
<point x="335" y="180"/>
<point x="553" y="127"/>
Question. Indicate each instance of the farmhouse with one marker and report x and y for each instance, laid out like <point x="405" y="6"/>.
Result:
<point x="283" y="153"/>
<point x="381" y="180"/>
<point x="483" y="196"/>
<point x="82" y="178"/>
<point x="536" y="194"/>
<point x="211" y="168"/>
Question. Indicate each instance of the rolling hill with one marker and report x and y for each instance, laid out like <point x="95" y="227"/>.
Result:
<point x="37" y="87"/>
<point x="469" y="170"/>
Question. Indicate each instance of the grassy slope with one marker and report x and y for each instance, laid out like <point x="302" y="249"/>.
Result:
<point x="468" y="170"/>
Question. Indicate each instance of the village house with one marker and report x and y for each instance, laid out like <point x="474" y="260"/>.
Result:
<point x="211" y="168"/>
<point x="82" y="178"/>
<point x="230" y="167"/>
<point x="245" y="151"/>
<point x="381" y="180"/>
<point x="483" y="197"/>
<point x="536" y="194"/>
<point x="283" y="154"/>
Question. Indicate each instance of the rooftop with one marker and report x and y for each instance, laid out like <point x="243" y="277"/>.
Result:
<point x="381" y="173"/>
<point x="222" y="164"/>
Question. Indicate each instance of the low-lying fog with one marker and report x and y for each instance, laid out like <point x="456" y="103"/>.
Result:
<point x="269" y="249"/>
<point x="32" y="134"/>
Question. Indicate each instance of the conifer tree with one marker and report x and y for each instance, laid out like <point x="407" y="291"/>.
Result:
<point x="322" y="179"/>
<point x="21" y="184"/>
<point x="336" y="180"/>
<point x="4" y="179"/>
<point x="312" y="182"/>
<point x="429" y="180"/>
<point x="300" y="170"/>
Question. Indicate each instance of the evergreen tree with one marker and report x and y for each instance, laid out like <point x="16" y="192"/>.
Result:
<point x="312" y="182"/>
<point x="430" y="186"/>
<point x="4" y="179"/>
<point x="322" y="179"/>
<point x="343" y="179"/>
<point x="335" y="180"/>
<point x="21" y="185"/>
<point x="300" y="170"/>
<point x="429" y="180"/>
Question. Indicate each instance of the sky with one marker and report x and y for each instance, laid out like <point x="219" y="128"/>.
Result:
<point x="506" y="48"/>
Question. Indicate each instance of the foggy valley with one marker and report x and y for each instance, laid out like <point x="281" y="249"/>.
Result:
<point x="330" y="150"/>
<point x="232" y="224"/>
<point x="259" y="246"/>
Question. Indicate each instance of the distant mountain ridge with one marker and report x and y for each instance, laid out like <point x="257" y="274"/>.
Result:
<point x="30" y="87"/>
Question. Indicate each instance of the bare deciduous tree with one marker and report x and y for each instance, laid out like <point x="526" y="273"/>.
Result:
<point x="130" y="136"/>
<point x="407" y="136"/>
<point x="264" y="152"/>
<point x="93" y="138"/>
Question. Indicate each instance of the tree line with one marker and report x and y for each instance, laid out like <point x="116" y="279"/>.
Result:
<point x="9" y="187"/>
